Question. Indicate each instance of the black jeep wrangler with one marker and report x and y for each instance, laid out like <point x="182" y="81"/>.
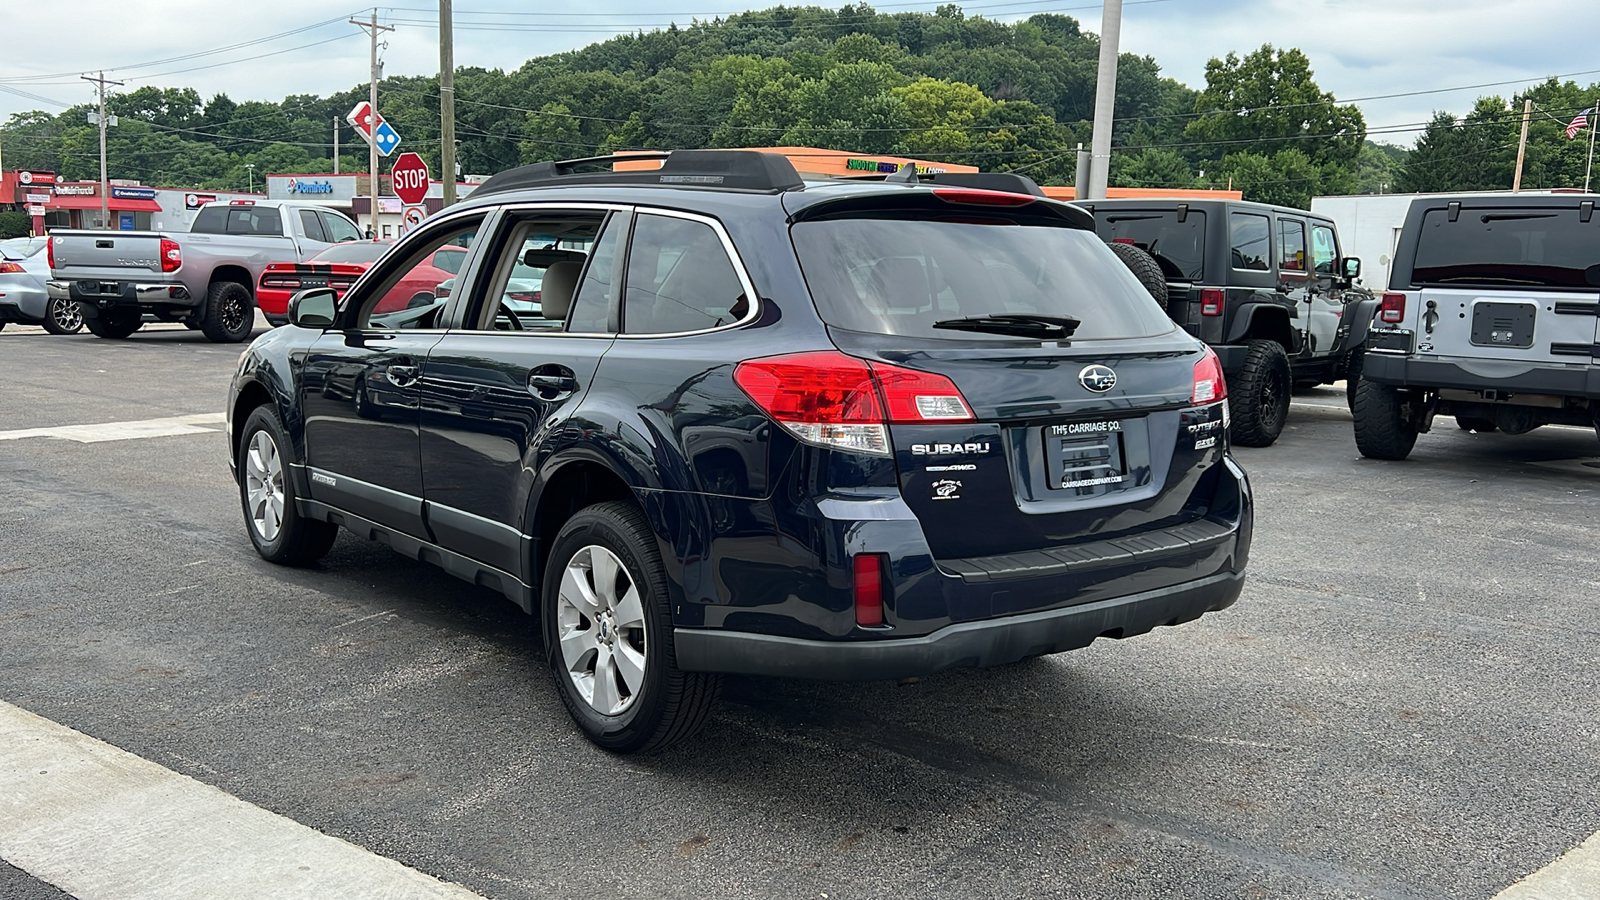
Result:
<point x="1265" y="286"/>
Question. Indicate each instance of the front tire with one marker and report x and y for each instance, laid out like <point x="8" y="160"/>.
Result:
<point x="1385" y="425"/>
<point x="230" y="313"/>
<point x="280" y="534"/>
<point x="1262" y="395"/>
<point x="114" y="324"/>
<point x="63" y="316"/>
<point x="608" y="635"/>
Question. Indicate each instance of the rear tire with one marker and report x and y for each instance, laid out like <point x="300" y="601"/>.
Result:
<point x="1384" y="425"/>
<point x="114" y="324"/>
<point x="1259" y="400"/>
<point x="63" y="316"/>
<point x="1145" y="268"/>
<point x="266" y="492"/>
<point x="608" y="635"/>
<point x="230" y="313"/>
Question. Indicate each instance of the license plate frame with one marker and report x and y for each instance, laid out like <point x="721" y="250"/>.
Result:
<point x="1088" y="458"/>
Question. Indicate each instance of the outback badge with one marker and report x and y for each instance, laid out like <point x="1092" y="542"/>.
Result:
<point x="1098" y="378"/>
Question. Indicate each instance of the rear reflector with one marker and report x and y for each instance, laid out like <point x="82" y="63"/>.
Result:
<point x="982" y="198"/>
<point x="869" y="588"/>
<point x="1209" y="384"/>
<point x="1393" y="307"/>
<point x="1211" y="302"/>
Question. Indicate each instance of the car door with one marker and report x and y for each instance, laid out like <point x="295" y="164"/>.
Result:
<point x="1294" y="281"/>
<point x="500" y="391"/>
<point x="360" y="388"/>
<point x="1328" y="287"/>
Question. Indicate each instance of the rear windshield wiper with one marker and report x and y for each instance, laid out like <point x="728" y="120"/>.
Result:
<point x="1017" y="324"/>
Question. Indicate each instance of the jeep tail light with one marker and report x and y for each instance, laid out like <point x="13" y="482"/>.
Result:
<point x="833" y="400"/>
<point x="1211" y="301"/>
<point x="1393" y="307"/>
<point x="1209" y="384"/>
<point x="171" y="256"/>
<point x="868" y="570"/>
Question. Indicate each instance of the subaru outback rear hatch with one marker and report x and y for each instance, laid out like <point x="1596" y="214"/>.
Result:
<point x="1038" y="398"/>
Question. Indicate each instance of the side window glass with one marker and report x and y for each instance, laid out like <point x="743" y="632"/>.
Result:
<point x="536" y="277"/>
<point x="338" y="228"/>
<point x="413" y="294"/>
<point x="312" y="226"/>
<point x="1248" y="240"/>
<point x="1324" y="249"/>
<point x="591" y="305"/>
<point x="1291" y="245"/>
<point x="679" y="278"/>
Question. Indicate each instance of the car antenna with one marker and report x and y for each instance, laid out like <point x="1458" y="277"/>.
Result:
<point x="906" y="174"/>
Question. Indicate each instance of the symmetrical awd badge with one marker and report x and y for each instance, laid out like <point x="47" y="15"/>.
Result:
<point x="1098" y="378"/>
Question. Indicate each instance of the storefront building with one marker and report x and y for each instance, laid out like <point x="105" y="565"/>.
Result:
<point x="351" y="195"/>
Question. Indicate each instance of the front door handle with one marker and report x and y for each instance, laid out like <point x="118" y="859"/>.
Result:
<point x="402" y="375"/>
<point x="552" y="383"/>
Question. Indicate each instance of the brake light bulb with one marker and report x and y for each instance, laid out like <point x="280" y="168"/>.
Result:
<point x="1209" y="384"/>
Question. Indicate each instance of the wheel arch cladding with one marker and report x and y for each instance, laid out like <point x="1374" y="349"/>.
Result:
<point x="1268" y="322"/>
<point x="567" y="489"/>
<point x="251" y="395"/>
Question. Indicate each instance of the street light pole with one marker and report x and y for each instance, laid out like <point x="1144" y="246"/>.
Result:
<point x="250" y="173"/>
<point x="1105" y="99"/>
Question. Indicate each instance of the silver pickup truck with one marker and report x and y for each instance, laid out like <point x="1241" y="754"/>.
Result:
<point x="205" y="279"/>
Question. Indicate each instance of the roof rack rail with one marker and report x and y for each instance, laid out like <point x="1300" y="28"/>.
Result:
<point x="1007" y="182"/>
<point x="747" y="170"/>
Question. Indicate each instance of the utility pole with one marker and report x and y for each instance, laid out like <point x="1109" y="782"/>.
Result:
<point x="1593" y="126"/>
<point x="105" y="192"/>
<point x="1522" y="146"/>
<point x="335" y="145"/>
<point x="373" y="28"/>
<point x="447" y="102"/>
<point x="1105" y="99"/>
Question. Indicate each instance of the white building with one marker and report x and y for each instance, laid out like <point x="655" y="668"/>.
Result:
<point x="350" y="193"/>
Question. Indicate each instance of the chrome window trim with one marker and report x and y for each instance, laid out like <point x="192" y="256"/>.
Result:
<point x="733" y="257"/>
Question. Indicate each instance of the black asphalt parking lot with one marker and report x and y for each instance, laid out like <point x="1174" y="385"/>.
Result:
<point x="1401" y="705"/>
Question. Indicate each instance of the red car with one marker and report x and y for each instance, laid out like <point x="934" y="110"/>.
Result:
<point x="339" y="266"/>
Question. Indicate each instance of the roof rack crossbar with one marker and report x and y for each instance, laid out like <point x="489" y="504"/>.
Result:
<point x="750" y="170"/>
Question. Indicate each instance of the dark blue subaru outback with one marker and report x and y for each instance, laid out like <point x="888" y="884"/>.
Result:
<point x="713" y="418"/>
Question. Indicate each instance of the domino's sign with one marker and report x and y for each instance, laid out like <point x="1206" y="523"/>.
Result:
<point x="296" y="186"/>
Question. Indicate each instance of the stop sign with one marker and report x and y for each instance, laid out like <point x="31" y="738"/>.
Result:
<point x="410" y="176"/>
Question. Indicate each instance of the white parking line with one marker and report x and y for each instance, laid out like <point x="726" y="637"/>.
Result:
<point x="101" y="823"/>
<point x="1575" y="876"/>
<point x="122" y="431"/>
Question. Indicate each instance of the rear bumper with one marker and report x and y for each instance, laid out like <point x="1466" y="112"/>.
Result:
<point x="1501" y="375"/>
<point x="994" y="642"/>
<point x="112" y="294"/>
<point x="23" y="304"/>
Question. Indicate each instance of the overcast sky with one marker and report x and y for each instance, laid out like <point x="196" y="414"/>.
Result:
<point x="1358" y="48"/>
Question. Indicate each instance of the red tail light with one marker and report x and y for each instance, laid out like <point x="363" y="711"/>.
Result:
<point x="868" y="569"/>
<point x="7" y="267"/>
<point x="1393" y="307"/>
<point x="1211" y="300"/>
<point x="1209" y="384"/>
<point x="281" y="282"/>
<point x="171" y="256"/>
<point x="50" y="252"/>
<point x="982" y="198"/>
<point x="834" y="400"/>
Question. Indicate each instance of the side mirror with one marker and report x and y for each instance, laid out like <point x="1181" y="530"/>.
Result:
<point x="313" y="308"/>
<point x="1351" y="266"/>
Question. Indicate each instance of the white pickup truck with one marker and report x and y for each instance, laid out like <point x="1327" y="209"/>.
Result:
<point x="205" y="279"/>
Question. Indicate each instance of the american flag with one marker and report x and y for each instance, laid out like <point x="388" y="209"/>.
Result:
<point x="1579" y="123"/>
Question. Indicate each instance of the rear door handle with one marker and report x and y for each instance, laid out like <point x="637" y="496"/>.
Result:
<point x="403" y="375"/>
<point x="552" y="383"/>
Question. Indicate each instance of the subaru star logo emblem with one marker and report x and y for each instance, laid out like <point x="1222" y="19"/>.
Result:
<point x="1098" y="378"/>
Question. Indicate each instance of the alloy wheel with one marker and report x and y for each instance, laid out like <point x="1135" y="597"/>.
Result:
<point x="232" y="315"/>
<point x="66" y="314"/>
<point x="263" y="473"/>
<point x="601" y="628"/>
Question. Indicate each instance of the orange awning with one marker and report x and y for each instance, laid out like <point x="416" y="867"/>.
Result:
<point x="120" y="204"/>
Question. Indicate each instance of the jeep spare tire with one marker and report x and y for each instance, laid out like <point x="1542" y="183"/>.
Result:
<point x="1144" y="267"/>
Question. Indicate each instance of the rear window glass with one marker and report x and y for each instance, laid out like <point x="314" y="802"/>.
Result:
<point x="1505" y="247"/>
<point x="1178" y="247"/>
<point x="213" y="219"/>
<point x="354" y="252"/>
<point x="1248" y="242"/>
<point x="900" y="277"/>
